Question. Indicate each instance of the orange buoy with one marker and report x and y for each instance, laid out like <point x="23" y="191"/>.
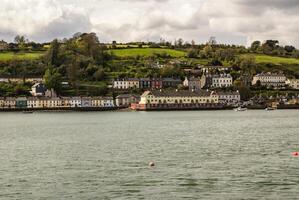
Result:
<point x="295" y="153"/>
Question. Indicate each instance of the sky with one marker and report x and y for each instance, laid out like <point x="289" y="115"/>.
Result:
<point x="230" y="21"/>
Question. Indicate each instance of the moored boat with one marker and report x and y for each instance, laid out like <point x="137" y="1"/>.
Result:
<point x="240" y="109"/>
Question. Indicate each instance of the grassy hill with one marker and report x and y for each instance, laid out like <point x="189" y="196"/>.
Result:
<point x="146" y="52"/>
<point x="5" y="56"/>
<point x="260" y="58"/>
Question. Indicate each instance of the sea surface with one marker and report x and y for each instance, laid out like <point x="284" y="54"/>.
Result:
<point x="105" y="155"/>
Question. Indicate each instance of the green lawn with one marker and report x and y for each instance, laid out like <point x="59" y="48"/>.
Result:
<point x="5" y="56"/>
<point x="275" y="60"/>
<point x="146" y="52"/>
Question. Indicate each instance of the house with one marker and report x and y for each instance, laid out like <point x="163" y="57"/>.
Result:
<point x="104" y="102"/>
<point x="43" y="102"/>
<point x="156" y="83"/>
<point x="171" y="82"/>
<point x="177" y="99"/>
<point x="108" y="102"/>
<point x="65" y="102"/>
<point x="145" y="83"/>
<point x="270" y="80"/>
<point x="293" y="83"/>
<point x="86" y="102"/>
<point x="121" y="84"/>
<point x="133" y="83"/>
<point x="229" y="98"/>
<point x="125" y="100"/>
<point x="38" y="89"/>
<point x="33" y="102"/>
<point x="10" y="102"/>
<point x="54" y="102"/>
<point x="1" y="102"/>
<point x="75" y="102"/>
<point x="212" y="69"/>
<point x="21" y="102"/>
<point x="222" y="80"/>
<point x="206" y="81"/>
<point x="192" y="83"/>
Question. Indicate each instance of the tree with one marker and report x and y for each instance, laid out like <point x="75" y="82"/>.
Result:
<point x="99" y="75"/>
<point x="52" y="57"/>
<point x="192" y="53"/>
<point x="21" y="41"/>
<point x="248" y="64"/>
<point x="255" y="46"/>
<point x="53" y="79"/>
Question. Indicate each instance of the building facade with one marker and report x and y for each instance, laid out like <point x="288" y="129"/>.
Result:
<point x="294" y="83"/>
<point x="158" y="99"/>
<point x="229" y="98"/>
<point x="222" y="80"/>
<point x="270" y="80"/>
<point x="193" y="84"/>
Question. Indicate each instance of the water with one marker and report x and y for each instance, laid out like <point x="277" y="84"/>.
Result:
<point x="198" y="155"/>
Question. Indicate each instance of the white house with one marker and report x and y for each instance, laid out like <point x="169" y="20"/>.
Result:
<point x="102" y="102"/>
<point x="1" y="102"/>
<point x="75" y="102"/>
<point x="38" y="89"/>
<point x="193" y="83"/>
<point x="10" y="102"/>
<point x="270" y="80"/>
<point x="222" y="80"/>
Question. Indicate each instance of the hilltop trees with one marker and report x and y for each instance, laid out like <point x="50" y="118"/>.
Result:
<point x="53" y="79"/>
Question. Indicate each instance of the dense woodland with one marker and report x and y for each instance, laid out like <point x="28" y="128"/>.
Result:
<point x="89" y="66"/>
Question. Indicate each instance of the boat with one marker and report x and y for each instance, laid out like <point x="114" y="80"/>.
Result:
<point x="240" y="109"/>
<point x="27" y="112"/>
<point x="270" y="109"/>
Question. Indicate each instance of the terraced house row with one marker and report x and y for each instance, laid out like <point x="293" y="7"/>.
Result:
<point x="146" y="83"/>
<point x="56" y="102"/>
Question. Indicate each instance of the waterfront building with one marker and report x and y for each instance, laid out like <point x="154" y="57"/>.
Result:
<point x="65" y="102"/>
<point x="33" y="102"/>
<point x="178" y="99"/>
<point x="86" y="102"/>
<point x="54" y="102"/>
<point x="125" y="100"/>
<point x="104" y="102"/>
<point x="294" y="83"/>
<point x="21" y="102"/>
<point x="10" y="102"/>
<point x="192" y="83"/>
<point x="75" y="102"/>
<point x="270" y="80"/>
<point x="229" y="98"/>
<point x="108" y="102"/>
<point x="1" y="102"/>
<point x="38" y="89"/>
<point x="222" y="80"/>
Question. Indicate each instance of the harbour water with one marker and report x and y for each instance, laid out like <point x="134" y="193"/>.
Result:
<point x="105" y="155"/>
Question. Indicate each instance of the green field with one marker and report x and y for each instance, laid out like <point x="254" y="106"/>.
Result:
<point x="20" y="56"/>
<point x="275" y="60"/>
<point x="146" y="52"/>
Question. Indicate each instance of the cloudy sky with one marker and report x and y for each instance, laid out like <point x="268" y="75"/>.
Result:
<point x="230" y="21"/>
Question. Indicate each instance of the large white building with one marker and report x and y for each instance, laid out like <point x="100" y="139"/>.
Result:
<point x="124" y="84"/>
<point x="270" y="80"/>
<point x="222" y="80"/>
<point x="159" y="97"/>
<point x="294" y="83"/>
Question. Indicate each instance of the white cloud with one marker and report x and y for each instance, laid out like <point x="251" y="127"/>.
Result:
<point x="231" y="21"/>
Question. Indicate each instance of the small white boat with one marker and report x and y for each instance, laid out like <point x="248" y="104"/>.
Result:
<point x="27" y="112"/>
<point x="240" y="109"/>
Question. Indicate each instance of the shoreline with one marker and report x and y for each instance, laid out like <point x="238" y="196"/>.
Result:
<point x="126" y="109"/>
